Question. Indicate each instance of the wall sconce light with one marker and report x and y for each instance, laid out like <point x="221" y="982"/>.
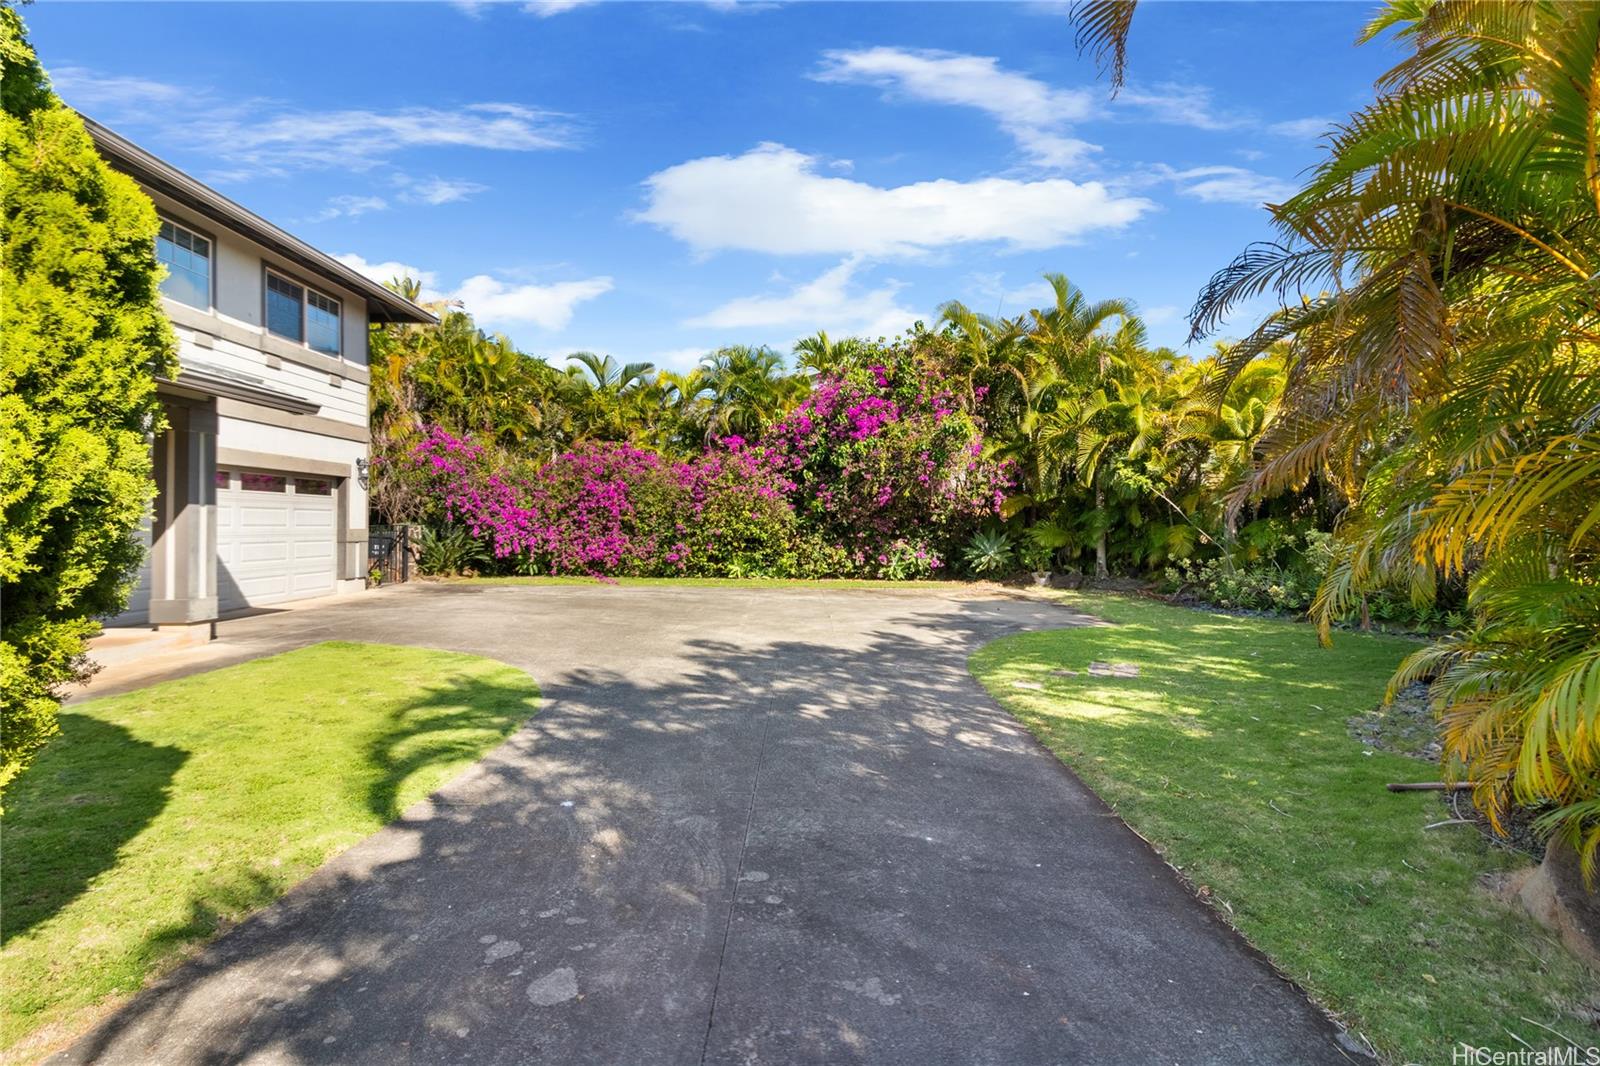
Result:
<point x="362" y="467"/>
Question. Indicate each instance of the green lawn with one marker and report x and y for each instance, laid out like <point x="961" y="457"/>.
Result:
<point x="1230" y="753"/>
<point x="160" y="815"/>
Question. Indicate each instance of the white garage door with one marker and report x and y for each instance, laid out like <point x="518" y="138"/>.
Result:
<point x="275" y="538"/>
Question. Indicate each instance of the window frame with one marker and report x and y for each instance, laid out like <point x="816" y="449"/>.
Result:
<point x="306" y="291"/>
<point x="338" y="321"/>
<point x="211" y="278"/>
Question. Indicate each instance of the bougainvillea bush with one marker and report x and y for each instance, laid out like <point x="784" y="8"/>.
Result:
<point x="880" y="472"/>
<point x="889" y="468"/>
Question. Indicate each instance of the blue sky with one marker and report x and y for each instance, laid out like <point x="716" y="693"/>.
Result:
<point x="653" y="180"/>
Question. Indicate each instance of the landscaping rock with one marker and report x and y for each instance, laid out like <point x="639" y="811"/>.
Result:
<point x="1406" y="726"/>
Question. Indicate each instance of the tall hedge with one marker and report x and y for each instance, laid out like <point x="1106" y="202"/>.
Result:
<point x="82" y="335"/>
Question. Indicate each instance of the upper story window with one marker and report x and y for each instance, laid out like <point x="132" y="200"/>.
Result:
<point x="322" y="323"/>
<point x="187" y="257"/>
<point x="301" y="314"/>
<point x="286" y="306"/>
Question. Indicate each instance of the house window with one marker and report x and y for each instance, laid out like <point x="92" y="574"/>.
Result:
<point x="285" y="308"/>
<point x="301" y="314"/>
<point x="261" y="482"/>
<point x="187" y="257"/>
<point x="313" y="486"/>
<point x="322" y="323"/>
<point x="220" y="479"/>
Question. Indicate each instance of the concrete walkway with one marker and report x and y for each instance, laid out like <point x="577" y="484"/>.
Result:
<point x="747" y="826"/>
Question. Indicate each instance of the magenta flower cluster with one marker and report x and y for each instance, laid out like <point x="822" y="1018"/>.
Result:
<point x="878" y="473"/>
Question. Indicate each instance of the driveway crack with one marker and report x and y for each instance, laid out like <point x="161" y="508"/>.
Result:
<point x="738" y="877"/>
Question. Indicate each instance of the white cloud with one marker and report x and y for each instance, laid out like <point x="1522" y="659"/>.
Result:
<point x="1230" y="185"/>
<point x="1303" y="128"/>
<point x="679" y="359"/>
<point x="254" y="137"/>
<point x="827" y="302"/>
<point x="1031" y="112"/>
<point x="1181" y="105"/>
<point x="349" y="207"/>
<point x="954" y="78"/>
<point x="1036" y="294"/>
<point x="87" y="90"/>
<point x="545" y="8"/>
<point x="493" y="301"/>
<point x="1160" y="315"/>
<point x="436" y="191"/>
<point x="771" y="199"/>
<point x="382" y="272"/>
<point x="359" y="139"/>
<point x="990" y="293"/>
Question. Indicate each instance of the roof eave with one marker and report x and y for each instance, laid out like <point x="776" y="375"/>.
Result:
<point x="383" y="305"/>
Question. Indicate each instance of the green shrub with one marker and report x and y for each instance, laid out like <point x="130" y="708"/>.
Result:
<point x="1257" y="587"/>
<point x="988" y="553"/>
<point x="450" y="550"/>
<point x="84" y="335"/>
<point x="1281" y="572"/>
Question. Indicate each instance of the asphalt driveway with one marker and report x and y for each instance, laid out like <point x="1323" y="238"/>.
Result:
<point x="747" y="826"/>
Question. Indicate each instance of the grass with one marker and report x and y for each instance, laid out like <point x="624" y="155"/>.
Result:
<point x="159" y="816"/>
<point x="1230" y="753"/>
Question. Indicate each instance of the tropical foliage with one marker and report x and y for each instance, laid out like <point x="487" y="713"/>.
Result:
<point x="1092" y="450"/>
<point x="879" y="471"/>
<point x="1438" y="281"/>
<point x="84" y="338"/>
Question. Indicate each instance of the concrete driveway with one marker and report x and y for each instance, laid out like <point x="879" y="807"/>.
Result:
<point x="747" y="826"/>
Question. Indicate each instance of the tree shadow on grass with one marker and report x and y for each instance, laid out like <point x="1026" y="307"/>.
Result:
<point x="800" y="804"/>
<point x="91" y="790"/>
<point x="451" y="722"/>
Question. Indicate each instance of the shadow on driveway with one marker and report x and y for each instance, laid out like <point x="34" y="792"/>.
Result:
<point x="747" y="826"/>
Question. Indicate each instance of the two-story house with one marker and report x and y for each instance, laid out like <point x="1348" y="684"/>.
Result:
<point x="261" y="470"/>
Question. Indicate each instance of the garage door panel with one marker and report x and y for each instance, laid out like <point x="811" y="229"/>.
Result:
<point x="307" y="585"/>
<point x="274" y="545"/>
<point x="261" y="551"/>
<point x="258" y="589"/>
<point x="274" y="517"/>
<point x="313" y="551"/>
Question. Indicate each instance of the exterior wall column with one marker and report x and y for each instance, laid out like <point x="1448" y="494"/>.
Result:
<point x="183" y="552"/>
<point x="351" y="519"/>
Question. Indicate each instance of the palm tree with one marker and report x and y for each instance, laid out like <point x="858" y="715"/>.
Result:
<point x="1072" y="333"/>
<point x="1445" y="359"/>
<point x="1072" y="339"/>
<point x="820" y="354"/>
<point x="748" y="389"/>
<point x="605" y="374"/>
<point x="599" y="391"/>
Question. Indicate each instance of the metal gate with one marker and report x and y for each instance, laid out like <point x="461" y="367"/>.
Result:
<point x="388" y="555"/>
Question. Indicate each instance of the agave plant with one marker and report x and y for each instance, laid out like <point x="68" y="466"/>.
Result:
<point x="988" y="552"/>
